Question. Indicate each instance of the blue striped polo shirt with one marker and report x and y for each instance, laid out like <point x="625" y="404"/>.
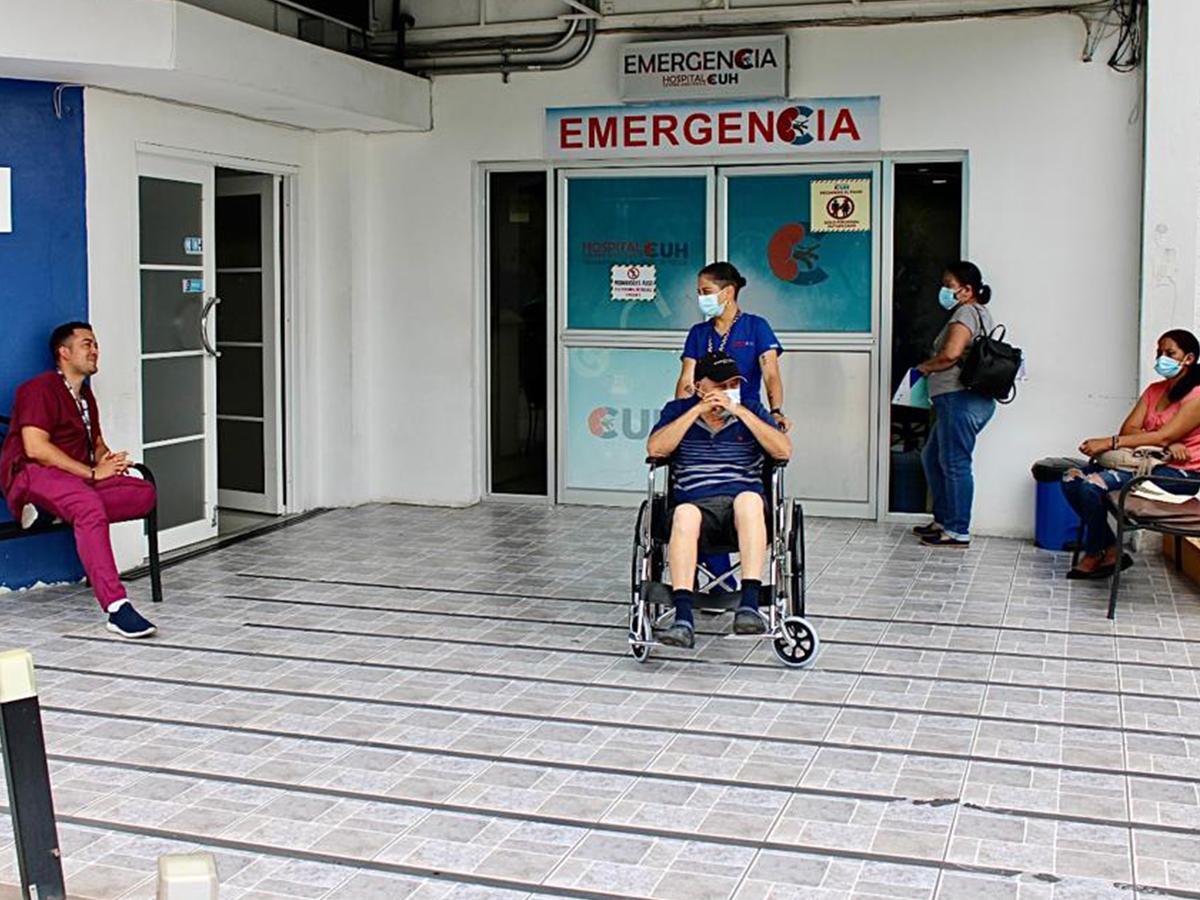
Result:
<point x="720" y="463"/>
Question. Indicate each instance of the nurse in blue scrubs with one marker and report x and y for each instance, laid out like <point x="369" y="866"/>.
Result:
<point x="748" y="338"/>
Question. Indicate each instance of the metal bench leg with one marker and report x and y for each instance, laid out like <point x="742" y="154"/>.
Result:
<point x="1115" y="586"/>
<point x="152" y="551"/>
<point x="151" y="528"/>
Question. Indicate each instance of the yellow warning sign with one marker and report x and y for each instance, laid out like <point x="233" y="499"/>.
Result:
<point x="841" y="205"/>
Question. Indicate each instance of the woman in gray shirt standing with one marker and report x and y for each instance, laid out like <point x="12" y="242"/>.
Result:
<point x="959" y="414"/>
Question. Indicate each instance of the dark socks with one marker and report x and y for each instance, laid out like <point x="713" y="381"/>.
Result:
<point x="683" y="606"/>
<point x="750" y="593"/>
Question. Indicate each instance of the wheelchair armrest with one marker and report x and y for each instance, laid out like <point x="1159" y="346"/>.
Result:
<point x="655" y="461"/>
<point x="771" y="463"/>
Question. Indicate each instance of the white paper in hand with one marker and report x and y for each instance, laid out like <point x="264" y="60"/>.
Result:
<point x="913" y="391"/>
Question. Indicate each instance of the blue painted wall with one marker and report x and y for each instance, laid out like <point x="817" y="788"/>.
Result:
<point x="43" y="273"/>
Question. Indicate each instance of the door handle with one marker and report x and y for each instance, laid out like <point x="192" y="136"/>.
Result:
<point x="208" y="308"/>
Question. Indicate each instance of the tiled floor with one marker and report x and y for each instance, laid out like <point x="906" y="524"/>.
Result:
<point x="395" y="702"/>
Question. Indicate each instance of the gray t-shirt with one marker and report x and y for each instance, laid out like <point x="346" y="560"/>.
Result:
<point x="971" y="315"/>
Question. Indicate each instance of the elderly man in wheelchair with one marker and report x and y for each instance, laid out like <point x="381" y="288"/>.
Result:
<point x="717" y="446"/>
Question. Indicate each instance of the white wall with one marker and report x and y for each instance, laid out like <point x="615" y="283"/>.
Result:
<point x="1172" y="177"/>
<point x="328" y="252"/>
<point x="1054" y="173"/>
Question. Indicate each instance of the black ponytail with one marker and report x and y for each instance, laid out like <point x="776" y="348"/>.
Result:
<point x="968" y="274"/>
<point x="1185" y="341"/>
<point x="725" y="274"/>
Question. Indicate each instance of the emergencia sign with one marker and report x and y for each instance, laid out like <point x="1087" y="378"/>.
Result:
<point x="704" y="69"/>
<point x="743" y="127"/>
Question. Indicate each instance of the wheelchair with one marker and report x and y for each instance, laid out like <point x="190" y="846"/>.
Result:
<point x="793" y="638"/>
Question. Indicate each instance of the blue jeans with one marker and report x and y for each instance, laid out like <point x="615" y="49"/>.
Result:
<point x="1087" y="499"/>
<point x="960" y="416"/>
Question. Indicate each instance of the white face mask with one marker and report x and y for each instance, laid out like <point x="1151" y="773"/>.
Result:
<point x="735" y="397"/>
<point x="710" y="305"/>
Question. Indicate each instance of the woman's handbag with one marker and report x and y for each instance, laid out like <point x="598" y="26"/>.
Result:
<point x="990" y="365"/>
<point x="1139" y="460"/>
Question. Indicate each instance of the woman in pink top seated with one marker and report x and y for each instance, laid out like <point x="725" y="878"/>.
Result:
<point x="1167" y="415"/>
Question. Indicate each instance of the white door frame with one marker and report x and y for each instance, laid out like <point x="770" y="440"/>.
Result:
<point x="269" y="501"/>
<point x="483" y="461"/>
<point x="887" y="324"/>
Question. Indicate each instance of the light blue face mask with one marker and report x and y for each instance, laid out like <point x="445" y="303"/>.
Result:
<point x="1167" y="367"/>
<point x="948" y="298"/>
<point x="710" y="305"/>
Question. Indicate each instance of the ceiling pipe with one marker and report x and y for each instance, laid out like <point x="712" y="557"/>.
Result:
<point x="317" y="14"/>
<point x="439" y="51"/>
<point x="790" y="15"/>
<point x="505" y="69"/>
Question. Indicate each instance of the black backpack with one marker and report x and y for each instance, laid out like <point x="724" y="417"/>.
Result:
<point x="990" y="365"/>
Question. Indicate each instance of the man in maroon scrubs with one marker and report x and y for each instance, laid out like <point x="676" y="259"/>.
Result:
<point x="55" y="459"/>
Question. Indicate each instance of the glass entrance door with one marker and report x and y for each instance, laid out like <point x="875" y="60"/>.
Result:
<point x="806" y="238"/>
<point x="631" y="242"/>
<point x="177" y="270"/>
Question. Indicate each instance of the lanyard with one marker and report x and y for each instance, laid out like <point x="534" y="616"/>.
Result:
<point x="85" y="413"/>
<point x="724" y="337"/>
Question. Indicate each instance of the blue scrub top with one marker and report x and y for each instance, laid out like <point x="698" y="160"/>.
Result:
<point x="750" y="337"/>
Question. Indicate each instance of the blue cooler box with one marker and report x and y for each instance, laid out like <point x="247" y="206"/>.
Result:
<point x="1056" y="526"/>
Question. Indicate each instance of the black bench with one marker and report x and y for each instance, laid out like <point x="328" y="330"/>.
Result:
<point x="13" y="530"/>
<point x="1135" y="513"/>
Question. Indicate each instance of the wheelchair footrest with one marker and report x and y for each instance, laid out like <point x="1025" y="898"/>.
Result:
<point x="656" y="592"/>
<point x="718" y="601"/>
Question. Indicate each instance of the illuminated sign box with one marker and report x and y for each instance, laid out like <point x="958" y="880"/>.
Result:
<point x="704" y="69"/>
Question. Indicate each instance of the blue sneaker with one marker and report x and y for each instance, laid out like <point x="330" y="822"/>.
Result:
<point x="129" y="623"/>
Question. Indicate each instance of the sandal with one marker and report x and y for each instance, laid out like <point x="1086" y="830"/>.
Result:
<point x="1100" y="572"/>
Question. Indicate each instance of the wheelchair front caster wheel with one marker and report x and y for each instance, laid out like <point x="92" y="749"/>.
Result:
<point x="799" y="647"/>
<point x="639" y="631"/>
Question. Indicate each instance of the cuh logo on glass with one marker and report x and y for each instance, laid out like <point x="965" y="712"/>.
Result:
<point x="607" y="422"/>
<point x="793" y="252"/>
<point x="676" y="251"/>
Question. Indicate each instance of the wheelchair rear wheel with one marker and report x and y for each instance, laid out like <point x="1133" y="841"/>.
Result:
<point x="796" y="560"/>
<point x="799" y="649"/>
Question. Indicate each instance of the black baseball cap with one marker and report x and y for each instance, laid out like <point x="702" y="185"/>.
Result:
<point x="718" y="366"/>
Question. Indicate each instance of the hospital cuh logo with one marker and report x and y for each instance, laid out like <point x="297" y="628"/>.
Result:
<point x="794" y="125"/>
<point x="606" y="422"/>
<point x="793" y="252"/>
<point x="600" y="422"/>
